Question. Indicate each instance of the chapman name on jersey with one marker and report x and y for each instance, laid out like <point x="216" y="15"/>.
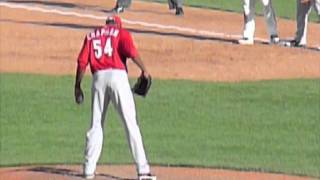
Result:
<point x="103" y="32"/>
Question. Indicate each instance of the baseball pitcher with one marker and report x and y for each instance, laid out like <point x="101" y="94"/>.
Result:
<point x="106" y="49"/>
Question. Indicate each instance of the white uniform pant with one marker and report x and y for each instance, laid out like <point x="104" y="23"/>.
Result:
<point x="249" y="18"/>
<point x="303" y="10"/>
<point x="113" y="85"/>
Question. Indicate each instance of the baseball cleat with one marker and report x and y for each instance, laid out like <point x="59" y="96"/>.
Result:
<point x="179" y="11"/>
<point x="246" y="41"/>
<point x="294" y="43"/>
<point x="118" y="9"/>
<point x="146" y="177"/>
<point x="274" y="39"/>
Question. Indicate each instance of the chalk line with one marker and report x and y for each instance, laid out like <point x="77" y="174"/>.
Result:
<point x="141" y="23"/>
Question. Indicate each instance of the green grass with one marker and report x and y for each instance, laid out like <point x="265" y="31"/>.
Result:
<point x="283" y="8"/>
<point x="267" y="126"/>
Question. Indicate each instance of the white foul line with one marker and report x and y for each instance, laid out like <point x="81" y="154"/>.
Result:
<point x="159" y="26"/>
<point x="54" y="11"/>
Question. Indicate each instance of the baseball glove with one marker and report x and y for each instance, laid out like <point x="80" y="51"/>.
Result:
<point x="142" y="86"/>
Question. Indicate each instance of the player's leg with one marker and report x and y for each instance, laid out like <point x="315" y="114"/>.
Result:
<point x="249" y="22"/>
<point x="121" y="5"/>
<point x="125" y="105"/>
<point x="271" y="21"/>
<point x="172" y="4"/>
<point x="125" y="3"/>
<point x="94" y="137"/>
<point x="303" y="10"/>
<point x="317" y="7"/>
<point x="179" y="8"/>
<point x="179" y="3"/>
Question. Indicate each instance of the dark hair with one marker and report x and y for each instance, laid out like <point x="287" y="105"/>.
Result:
<point x="114" y="20"/>
<point x="110" y="20"/>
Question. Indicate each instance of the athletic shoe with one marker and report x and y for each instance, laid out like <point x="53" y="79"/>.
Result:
<point x="294" y="43"/>
<point x="179" y="11"/>
<point x="146" y="177"/>
<point x="274" y="39"/>
<point x="246" y="41"/>
<point x="87" y="176"/>
<point x="118" y="9"/>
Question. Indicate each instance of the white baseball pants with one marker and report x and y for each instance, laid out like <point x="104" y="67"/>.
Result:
<point x="249" y="16"/>
<point x="113" y="85"/>
<point x="303" y="10"/>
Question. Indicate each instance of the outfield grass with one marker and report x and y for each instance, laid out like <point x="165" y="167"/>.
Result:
<point x="268" y="126"/>
<point x="283" y="8"/>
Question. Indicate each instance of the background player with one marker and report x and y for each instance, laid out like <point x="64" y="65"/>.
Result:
<point x="121" y="5"/>
<point x="249" y="7"/>
<point x="303" y="11"/>
<point x="177" y="5"/>
<point x="106" y="50"/>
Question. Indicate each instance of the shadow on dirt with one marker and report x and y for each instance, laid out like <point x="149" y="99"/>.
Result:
<point x="71" y="173"/>
<point x="133" y="30"/>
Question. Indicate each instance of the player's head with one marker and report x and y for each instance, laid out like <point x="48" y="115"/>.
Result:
<point x="114" y="20"/>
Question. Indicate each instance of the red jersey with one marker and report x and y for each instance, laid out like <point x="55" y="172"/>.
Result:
<point x="107" y="47"/>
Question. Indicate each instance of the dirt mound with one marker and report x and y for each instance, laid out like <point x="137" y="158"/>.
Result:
<point x="127" y="172"/>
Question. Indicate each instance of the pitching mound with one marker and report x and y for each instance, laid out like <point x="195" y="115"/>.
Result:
<point x="127" y="172"/>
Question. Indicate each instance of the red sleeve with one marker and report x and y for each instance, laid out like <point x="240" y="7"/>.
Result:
<point x="83" y="58"/>
<point x="126" y="45"/>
